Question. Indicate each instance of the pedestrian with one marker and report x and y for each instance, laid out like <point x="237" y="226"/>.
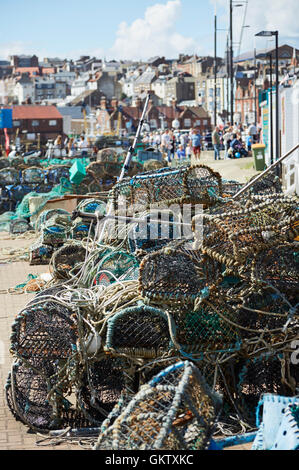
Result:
<point x="58" y="146"/>
<point x="165" y="143"/>
<point x="181" y="152"/>
<point x="71" y="147"/>
<point x="171" y="146"/>
<point x="227" y="138"/>
<point x="188" y="150"/>
<point x="216" y="143"/>
<point x="253" y="132"/>
<point x="196" y="143"/>
<point x="58" y="142"/>
<point x="83" y="146"/>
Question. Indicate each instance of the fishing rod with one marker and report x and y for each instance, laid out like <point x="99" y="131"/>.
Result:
<point x="131" y="151"/>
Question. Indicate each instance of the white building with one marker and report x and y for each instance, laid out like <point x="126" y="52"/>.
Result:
<point x="160" y="89"/>
<point x="79" y="85"/>
<point x="25" y="90"/>
<point x="221" y="95"/>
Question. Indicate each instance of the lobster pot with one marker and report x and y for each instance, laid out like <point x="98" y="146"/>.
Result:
<point x="266" y="310"/>
<point x="54" y="174"/>
<point x="68" y="259"/>
<point x="195" y="185"/>
<point x="45" y="330"/>
<point x="91" y="206"/>
<point x="139" y="331"/>
<point x="149" y="188"/>
<point x="230" y="188"/>
<point x="269" y="184"/>
<point x="26" y="396"/>
<point x="4" y="162"/>
<point x="43" y="188"/>
<point x="39" y="253"/>
<point x="45" y="216"/>
<point x="175" y="411"/>
<point x="32" y="160"/>
<point x="9" y="176"/>
<point x="102" y="387"/>
<point x="279" y="266"/>
<point x="202" y="185"/>
<point x="53" y="235"/>
<point x="207" y="329"/>
<point x="117" y="265"/>
<point x="107" y="155"/>
<point x="16" y="162"/>
<point x="259" y="375"/>
<point x="232" y="237"/>
<point x="80" y="230"/>
<point x="175" y="274"/>
<point x="27" y="392"/>
<point x="33" y="175"/>
<point x="96" y="169"/>
<point x="156" y="231"/>
<point x="19" y="191"/>
<point x="18" y="226"/>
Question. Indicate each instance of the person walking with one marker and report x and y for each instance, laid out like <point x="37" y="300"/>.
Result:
<point x="171" y="147"/>
<point x="253" y="133"/>
<point x="196" y="143"/>
<point x="165" y="144"/>
<point x="227" y="138"/>
<point x="216" y="143"/>
<point x="83" y="146"/>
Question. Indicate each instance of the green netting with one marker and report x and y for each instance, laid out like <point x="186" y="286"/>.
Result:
<point x="5" y="221"/>
<point x="23" y="210"/>
<point x="69" y="161"/>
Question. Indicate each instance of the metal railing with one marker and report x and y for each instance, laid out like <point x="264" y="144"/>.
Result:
<point x="261" y="175"/>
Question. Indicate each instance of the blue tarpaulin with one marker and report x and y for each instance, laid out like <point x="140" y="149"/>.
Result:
<point x="5" y="118"/>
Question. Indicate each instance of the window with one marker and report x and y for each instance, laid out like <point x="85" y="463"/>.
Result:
<point x="205" y="122"/>
<point x="198" y="122"/>
<point x="187" y="123"/>
<point x="16" y="123"/>
<point x="35" y="123"/>
<point x="153" y="124"/>
<point x="53" y="122"/>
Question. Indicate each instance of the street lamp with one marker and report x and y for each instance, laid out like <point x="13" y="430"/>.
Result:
<point x="232" y="5"/>
<point x="269" y="34"/>
<point x="271" y="109"/>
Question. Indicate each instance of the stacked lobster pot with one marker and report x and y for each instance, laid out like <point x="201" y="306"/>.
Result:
<point x="143" y="335"/>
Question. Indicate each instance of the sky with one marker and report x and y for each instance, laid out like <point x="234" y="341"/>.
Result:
<point x="138" y="29"/>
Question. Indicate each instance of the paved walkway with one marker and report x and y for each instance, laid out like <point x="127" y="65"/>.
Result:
<point x="13" y="434"/>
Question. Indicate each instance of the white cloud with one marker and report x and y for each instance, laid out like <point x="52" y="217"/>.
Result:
<point x="153" y="35"/>
<point x="263" y="15"/>
<point x="13" y="48"/>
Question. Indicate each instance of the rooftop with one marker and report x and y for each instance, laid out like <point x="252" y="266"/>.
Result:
<point x="35" y="112"/>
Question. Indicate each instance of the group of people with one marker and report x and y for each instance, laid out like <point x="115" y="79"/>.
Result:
<point x="173" y="144"/>
<point x="236" y="141"/>
<point x="71" y="146"/>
